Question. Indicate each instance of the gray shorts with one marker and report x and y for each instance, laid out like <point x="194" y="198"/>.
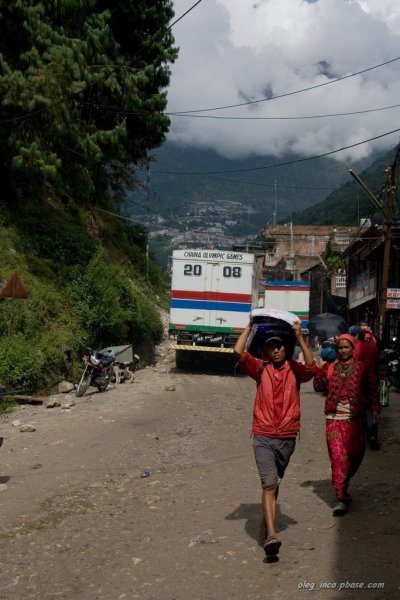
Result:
<point x="272" y="457"/>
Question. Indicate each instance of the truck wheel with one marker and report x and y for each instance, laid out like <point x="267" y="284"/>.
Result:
<point x="182" y="359"/>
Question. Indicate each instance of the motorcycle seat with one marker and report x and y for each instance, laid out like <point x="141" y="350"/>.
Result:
<point x="106" y="361"/>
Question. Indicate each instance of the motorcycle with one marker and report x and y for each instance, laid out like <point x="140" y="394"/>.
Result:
<point x="98" y="370"/>
<point x="391" y="358"/>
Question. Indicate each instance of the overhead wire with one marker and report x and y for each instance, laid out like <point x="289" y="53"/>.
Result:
<point x="38" y="111"/>
<point x="189" y="112"/>
<point x="282" y="164"/>
<point x="300" y="91"/>
<point x="296" y="118"/>
<point x="184" y="14"/>
<point x="121" y="109"/>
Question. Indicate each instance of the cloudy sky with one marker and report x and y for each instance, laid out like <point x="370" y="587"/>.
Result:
<point x="243" y="51"/>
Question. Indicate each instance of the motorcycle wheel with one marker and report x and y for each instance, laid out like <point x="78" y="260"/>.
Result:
<point x="83" y="384"/>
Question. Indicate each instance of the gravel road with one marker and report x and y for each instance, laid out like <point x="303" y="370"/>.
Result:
<point x="150" y="491"/>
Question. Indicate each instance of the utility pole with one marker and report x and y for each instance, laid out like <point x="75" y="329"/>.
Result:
<point x="387" y="240"/>
<point x="387" y="212"/>
<point x="274" y="209"/>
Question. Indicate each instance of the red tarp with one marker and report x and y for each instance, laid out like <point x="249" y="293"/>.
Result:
<point x="14" y="288"/>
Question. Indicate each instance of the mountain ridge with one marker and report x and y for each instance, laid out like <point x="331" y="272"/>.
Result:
<point x="274" y="192"/>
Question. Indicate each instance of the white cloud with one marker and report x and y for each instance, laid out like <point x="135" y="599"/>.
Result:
<point x="233" y="51"/>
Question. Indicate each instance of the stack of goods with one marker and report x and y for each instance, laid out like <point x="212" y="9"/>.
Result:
<point x="267" y="323"/>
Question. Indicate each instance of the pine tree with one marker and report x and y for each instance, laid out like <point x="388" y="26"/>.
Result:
<point x="82" y="87"/>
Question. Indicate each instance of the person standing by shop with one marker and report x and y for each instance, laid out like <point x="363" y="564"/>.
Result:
<point x="350" y="390"/>
<point x="368" y="353"/>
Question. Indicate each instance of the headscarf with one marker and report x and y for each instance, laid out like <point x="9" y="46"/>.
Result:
<point x="356" y="330"/>
<point x="347" y="337"/>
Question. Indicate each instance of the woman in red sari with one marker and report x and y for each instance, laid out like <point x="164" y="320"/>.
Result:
<point x="350" y="390"/>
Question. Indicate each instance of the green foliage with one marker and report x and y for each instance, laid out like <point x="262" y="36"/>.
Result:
<point x="22" y="366"/>
<point x="64" y="67"/>
<point x="334" y="262"/>
<point x="30" y="364"/>
<point x="131" y="242"/>
<point x="348" y="204"/>
<point x="62" y="63"/>
<point x="109" y="309"/>
<point x="53" y="236"/>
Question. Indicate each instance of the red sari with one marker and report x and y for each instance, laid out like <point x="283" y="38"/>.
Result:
<point x="346" y="448"/>
<point x="349" y="392"/>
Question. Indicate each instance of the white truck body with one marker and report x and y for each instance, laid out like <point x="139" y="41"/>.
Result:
<point x="292" y="296"/>
<point x="212" y="295"/>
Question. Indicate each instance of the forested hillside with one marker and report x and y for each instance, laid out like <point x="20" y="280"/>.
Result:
<point x="349" y="204"/>
<point x="67" y="157"/>
<point x="166" y="189"/>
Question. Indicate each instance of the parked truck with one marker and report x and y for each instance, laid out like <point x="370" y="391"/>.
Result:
<point x="293" y="296"/>
<point x="212" y="295"/>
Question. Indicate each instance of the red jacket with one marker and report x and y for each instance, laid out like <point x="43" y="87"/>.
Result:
<point x="361" y="385"/>
<point x="368" y="353"/>
<point x="263" y="413"/>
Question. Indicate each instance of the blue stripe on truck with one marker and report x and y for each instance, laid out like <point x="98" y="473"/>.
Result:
<point x="210" y="305"/>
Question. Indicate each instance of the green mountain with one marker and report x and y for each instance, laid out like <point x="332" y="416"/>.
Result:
<point x="348" y="204"/>
<point x="181" y="176"/>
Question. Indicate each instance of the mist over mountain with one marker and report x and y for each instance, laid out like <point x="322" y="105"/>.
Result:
<point x="181" y="176"/>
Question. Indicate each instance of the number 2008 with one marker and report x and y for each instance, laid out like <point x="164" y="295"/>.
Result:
<point x="227" y="271"/>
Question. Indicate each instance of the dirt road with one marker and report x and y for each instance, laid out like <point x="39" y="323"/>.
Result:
<point x="80" y="522"/>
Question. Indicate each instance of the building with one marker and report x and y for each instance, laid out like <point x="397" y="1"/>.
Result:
<point x="364" y="258"/>
<point x="290" y="250"/>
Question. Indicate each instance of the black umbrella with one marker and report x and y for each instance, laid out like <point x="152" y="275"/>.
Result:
<point x="327" y="325"/>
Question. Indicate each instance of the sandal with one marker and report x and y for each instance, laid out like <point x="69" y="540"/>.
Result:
<point x="340" y="510"/>
<point x="271" y="546"/>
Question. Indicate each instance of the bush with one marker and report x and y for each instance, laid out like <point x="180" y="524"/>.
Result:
<point x="32" y="315"/>
<point x="22" y="365"/>
<point x="108" y="307"/>
<point x="57" y="239"/>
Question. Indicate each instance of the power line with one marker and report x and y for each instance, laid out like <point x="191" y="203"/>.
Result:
<point x="313" y="87"/>
<point x="63" y="99"/>
<point x="344" y="114"/>
<point x="34" y="113"/>
<point x="118" y="216"/>
<point x="286" y="187"/>
<point x="282" y="164"/>
<point x="191" y="112"/>
<point x="125" y="111"/>
<point x="184" y="14"/>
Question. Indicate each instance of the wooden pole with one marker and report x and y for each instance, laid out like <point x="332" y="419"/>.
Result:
<point x="387" y="239"/>
<point x="11" y="316"/>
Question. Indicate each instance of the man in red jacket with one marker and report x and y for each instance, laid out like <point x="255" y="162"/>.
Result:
<point x="276" y="415"/>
